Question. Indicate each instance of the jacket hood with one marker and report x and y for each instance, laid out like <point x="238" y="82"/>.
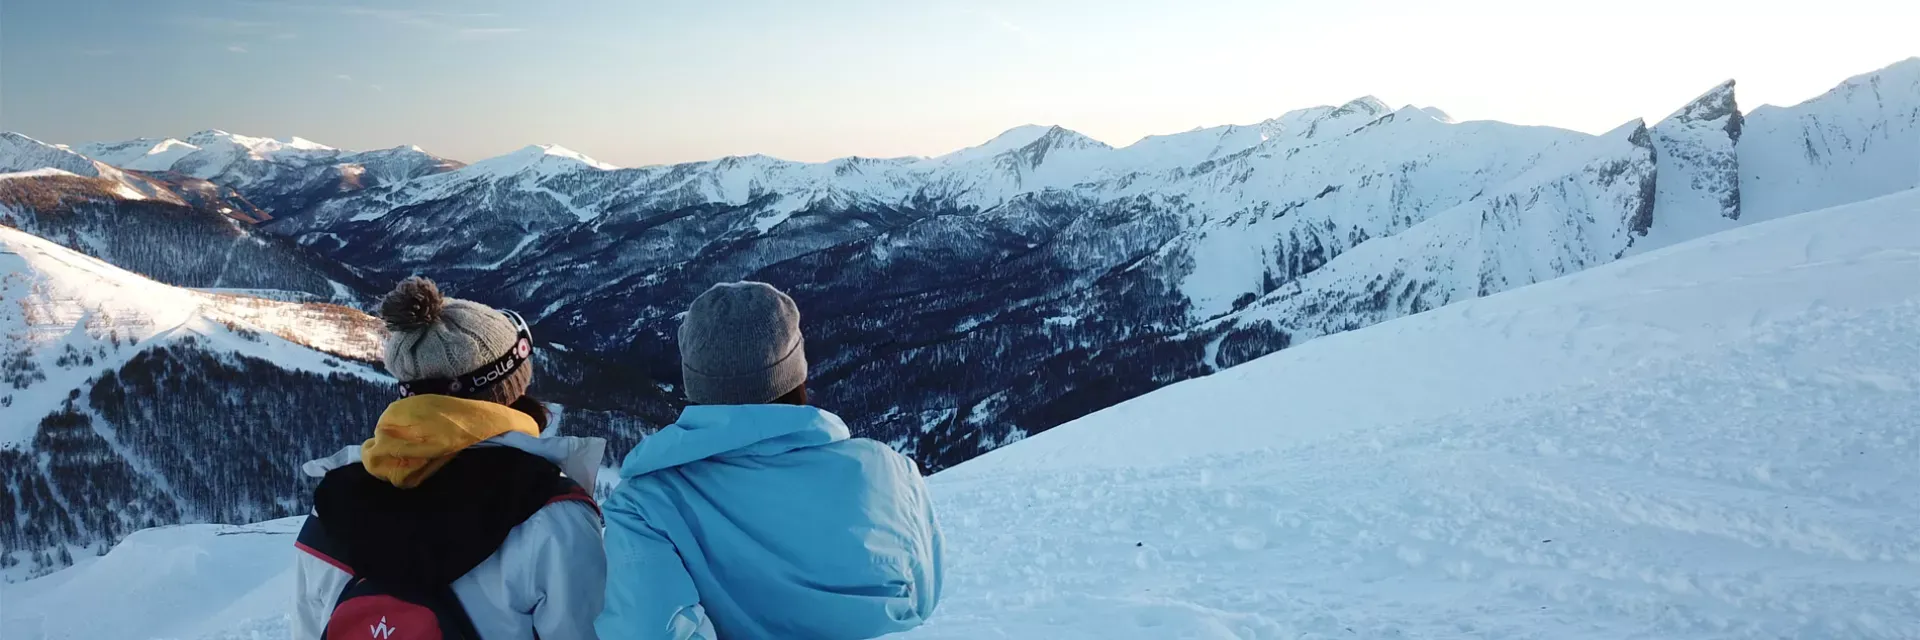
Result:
<point x="417" y="436"/>
<point x="577" y="457"/>
<point x="729" y="431"/>
<point x="768" y="522"/>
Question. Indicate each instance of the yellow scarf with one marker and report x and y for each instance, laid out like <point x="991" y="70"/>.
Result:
<point x="418" y="435"/>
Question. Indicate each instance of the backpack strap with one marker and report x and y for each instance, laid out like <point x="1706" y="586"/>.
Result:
<point x="564" y="489"/>
<point x="313" y="540"/>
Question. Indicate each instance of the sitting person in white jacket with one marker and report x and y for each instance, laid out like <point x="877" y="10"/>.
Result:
<point x="455" y="520"/>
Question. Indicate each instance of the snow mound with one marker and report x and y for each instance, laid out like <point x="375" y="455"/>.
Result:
<point x="1707" y="441"/>
<point x="193" y="581"/>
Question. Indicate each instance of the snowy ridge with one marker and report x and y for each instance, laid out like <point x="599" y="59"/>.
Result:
<point x="563" y="189"/>
<point x="1705" y="441"/>
<point x="140" y="154"/>
<point x="21" y="153"/>
<point x="1537" y="227"/>
<point x="68" y="304"/>
<point x="218" y="153"/>
<point x="1863" y="137"/>
<point x="167" y="226"/>
<point x="542" y="158"/>
<point x="43" y="172"/>
<point x="281" y="175"/>
<point x="1285" y="209"/>
<point x="25" y="157"/>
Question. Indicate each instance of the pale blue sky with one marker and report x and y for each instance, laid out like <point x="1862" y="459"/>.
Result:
<point x="650" y="81"/>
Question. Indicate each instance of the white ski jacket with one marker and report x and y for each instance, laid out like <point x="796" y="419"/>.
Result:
<point x="548" y="578"/>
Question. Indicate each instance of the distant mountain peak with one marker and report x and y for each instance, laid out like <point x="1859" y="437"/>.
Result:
<point x="1010" y="140"/>
<point x="545" y="157"/>
<point x="211" y="137"/>
<point x="1435" y="113"/>
<point x="557" y="151"/>
<point x="1058" y="137"/>
<point x="1363" y="105"/>
<point x="1715" y="104"/>
<point x="1021" y="136"/>
<point x="298" y="142"/>
<point x="1015" y="138"/>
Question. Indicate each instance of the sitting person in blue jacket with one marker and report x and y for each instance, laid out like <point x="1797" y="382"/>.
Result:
<point x="755" y="515"/>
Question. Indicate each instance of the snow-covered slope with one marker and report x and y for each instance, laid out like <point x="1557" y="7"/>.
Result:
<point x="126" y="403"/>
<point x="1713" y="440"/>
<point x="140" y="154"/>
<point x="193" y="581"/>
<point x="107" y="379"/>
<point x="62" y="302"/>
<point x="21" y="153"/>
<point x="281" y="175"/>
<point x="59" y="298"/>
<point x="169" y="226"/>
<point x="218" y="153"/>
<point x="1549" y="221"/>
<point x="1860" y="139"/>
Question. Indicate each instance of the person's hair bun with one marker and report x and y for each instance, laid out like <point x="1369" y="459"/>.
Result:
<point x="415" y="304"/>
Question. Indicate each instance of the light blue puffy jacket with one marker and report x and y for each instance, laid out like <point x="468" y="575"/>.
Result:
<point x="766" y="521"/>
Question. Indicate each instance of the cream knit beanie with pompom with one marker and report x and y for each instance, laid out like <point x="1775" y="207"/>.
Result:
<point x="433" y="336"/>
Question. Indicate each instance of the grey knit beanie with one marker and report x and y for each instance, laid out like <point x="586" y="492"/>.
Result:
<point x="740" y="344"/>
<point x="433" y="336"/>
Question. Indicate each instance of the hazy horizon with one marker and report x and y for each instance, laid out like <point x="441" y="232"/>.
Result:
<point x="638" y="85"/>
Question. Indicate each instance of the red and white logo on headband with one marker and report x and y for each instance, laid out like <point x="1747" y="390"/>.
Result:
<point x="524" y="348"/>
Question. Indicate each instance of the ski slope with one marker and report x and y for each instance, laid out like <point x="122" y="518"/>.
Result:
<point x="1714" y="440"/>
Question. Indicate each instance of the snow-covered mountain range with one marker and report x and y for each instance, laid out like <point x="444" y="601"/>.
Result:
<point x="967" y="300"/>
<point x="959" y="303"/>
<point x="1712" y="440"/>
<point x="173" y="227"/>
<point x="278" y="173"/>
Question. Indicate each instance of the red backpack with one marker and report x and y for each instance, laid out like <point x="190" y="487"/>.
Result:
<point x="370" y="611"/>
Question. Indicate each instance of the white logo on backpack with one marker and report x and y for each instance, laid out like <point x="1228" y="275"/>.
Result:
<point x="383" y="632"/>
